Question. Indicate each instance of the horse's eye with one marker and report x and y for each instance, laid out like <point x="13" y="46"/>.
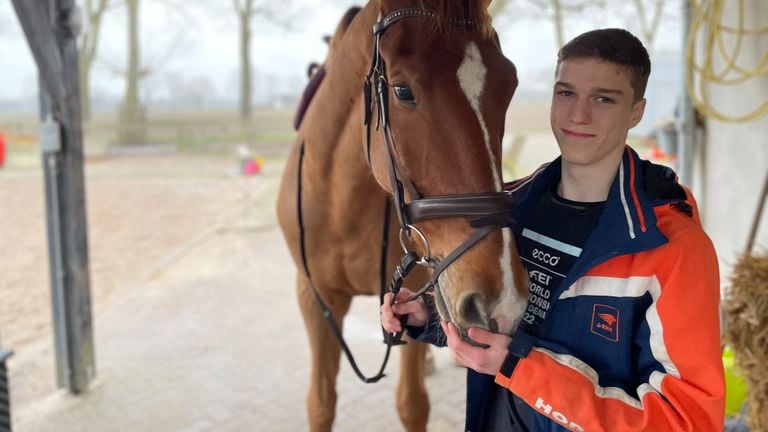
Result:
<point x="404" y="93"/>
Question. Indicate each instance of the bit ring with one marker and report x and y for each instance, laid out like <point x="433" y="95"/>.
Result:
<point x="407" y="230"/>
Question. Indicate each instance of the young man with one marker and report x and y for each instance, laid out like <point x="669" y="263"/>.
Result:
<point x="621" y="332"/>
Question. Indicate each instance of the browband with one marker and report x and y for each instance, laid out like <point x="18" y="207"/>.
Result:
<point x="412" y="12"/>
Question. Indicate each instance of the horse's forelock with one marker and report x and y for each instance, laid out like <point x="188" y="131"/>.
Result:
<point x="449" y="12"/>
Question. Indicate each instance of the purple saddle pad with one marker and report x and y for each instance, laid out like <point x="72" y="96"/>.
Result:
<point x="309" y="93"/>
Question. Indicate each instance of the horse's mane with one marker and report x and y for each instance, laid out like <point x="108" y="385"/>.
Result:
<point x="449" y="12"/>
<point x="348" y="16"/>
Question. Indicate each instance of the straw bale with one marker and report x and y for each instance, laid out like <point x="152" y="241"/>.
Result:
<point x="746" y="307"/>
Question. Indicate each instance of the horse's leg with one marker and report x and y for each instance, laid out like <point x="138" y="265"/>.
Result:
<point x="411" y="394"/>
<point x="325" y="351"/>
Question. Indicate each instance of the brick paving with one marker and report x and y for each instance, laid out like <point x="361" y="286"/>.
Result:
<point x="215" y="342"/>
<point x="211" y="338"/>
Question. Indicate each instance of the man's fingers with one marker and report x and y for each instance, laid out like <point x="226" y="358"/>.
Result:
<point x="391" y="324"/>
<point x="454" y="343"/>
<point x="387" y="299"/>
<point x="404" y="294"/>
<point x="406" y="308"/>
<point x="485" y="337"/>
<point x="451" y="333"/>
<point x="389" y="321"/>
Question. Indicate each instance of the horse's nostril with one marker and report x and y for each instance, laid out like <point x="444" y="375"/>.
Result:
<point x="493" y="325"/>
<point x="471" y="309"/>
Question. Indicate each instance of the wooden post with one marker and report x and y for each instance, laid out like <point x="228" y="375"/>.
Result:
<point x="51" y="27"/>
<point x="5" y="397"/>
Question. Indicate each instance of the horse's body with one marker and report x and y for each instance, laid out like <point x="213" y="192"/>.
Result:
<point x="449" y="142"/>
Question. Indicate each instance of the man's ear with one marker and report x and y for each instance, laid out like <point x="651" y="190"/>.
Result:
<point x="638" y="109"/>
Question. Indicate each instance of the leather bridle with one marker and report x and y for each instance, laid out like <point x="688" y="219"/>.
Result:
<point x="487" y="212"/>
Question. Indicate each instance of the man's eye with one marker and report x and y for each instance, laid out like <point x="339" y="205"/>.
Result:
<point x="566" y="93"/>
<point x="603" y="99"/>
<point x="404" y="93"/>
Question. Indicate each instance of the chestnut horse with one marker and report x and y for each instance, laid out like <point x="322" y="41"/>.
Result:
<point x="438" y="87"/>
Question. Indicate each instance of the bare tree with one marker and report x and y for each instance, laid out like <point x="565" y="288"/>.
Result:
<point x="558" y="9"/>
<point x="246" y="11"/>
<point x="554" y="10"/>
<point x="161" y="52"/>
<point x="89" y="43"/>
<point x="557" y="19"/>
<point x="132" y="115"/>
<point x="648" y="28"/>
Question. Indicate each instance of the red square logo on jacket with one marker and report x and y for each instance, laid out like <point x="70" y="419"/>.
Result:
<point x="605" y="322"/>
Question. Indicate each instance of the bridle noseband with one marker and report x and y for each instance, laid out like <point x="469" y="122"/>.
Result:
<point x="487" y="211"/>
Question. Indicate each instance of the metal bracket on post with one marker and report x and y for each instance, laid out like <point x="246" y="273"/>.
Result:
<point x="50" y="146"/>
<point x="50" y="136"/>
<point x="5" y="397"/>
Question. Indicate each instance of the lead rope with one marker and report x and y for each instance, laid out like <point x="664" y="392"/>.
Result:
<point x="407" y="264"/>
<point x="327" y="315"/>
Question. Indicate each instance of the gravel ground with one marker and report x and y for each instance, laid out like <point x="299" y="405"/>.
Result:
<point x="143" y="211"/>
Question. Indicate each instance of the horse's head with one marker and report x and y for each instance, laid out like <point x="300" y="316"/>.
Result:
<point x="440" y="87"/>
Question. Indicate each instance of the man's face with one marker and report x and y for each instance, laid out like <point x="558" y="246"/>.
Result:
<point x="593" y="107"/>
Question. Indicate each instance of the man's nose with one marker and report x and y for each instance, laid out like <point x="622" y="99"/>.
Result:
<point x="580" y="111"/>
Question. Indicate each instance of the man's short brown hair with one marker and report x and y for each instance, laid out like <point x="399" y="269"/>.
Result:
<point x="616" y="46"/>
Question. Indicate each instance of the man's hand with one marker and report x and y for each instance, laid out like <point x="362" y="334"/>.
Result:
<point x="390" y="314"/>
<point x="483" y="360"/>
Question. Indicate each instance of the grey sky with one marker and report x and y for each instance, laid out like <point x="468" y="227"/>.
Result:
<point x="199" y="51"/>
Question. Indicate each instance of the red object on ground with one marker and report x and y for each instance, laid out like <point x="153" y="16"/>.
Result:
<point x="252" y="167"/>
<point x="2" y="149"/>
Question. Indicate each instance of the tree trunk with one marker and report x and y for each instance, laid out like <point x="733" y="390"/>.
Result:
<point x="87" y="52"/>
<point x="131" y="112"/>
<point x="85" y="89"/>
<point x="245" y="60"/>
<point x="648" y="29"/>
<point x="557" y="19"/>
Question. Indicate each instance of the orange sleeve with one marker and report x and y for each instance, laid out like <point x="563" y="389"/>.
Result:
<point x="688" y="396"/>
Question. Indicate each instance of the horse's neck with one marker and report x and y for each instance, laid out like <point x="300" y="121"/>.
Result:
<point x="333" y="129"/>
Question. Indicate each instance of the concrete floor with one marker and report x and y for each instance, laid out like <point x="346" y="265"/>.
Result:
<point x="216" y="342"/>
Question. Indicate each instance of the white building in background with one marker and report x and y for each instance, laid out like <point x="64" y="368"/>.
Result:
<point x="731" y="163"/>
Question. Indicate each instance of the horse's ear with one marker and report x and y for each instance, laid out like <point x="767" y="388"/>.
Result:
<point x="486" y="3"/>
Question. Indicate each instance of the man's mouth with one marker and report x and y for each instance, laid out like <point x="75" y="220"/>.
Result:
<point x="577" y="135"/>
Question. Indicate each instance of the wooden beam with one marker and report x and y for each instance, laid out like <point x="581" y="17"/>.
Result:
<point x="51" y="30"/>
<point x="5" y="397"/>
<point x="34" y="18"/>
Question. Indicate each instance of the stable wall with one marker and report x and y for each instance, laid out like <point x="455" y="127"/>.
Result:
<point x="732" y="162"/>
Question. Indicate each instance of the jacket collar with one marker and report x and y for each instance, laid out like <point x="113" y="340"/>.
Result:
<point x="628" y="222"/>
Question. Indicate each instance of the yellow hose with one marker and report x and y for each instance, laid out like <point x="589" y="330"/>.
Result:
<point x="707" y="24"/>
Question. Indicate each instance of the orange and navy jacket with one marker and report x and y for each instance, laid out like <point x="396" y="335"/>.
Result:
<point x="655" y="365"/>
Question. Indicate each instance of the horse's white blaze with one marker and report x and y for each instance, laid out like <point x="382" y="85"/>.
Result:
<point x="471" y="74"/>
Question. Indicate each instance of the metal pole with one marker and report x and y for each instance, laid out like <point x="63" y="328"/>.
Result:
<point x="756" y="220"/>
<point x="50" y="145"/>
<point x="686" y="129"/>
<point x="5" y="398"/>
